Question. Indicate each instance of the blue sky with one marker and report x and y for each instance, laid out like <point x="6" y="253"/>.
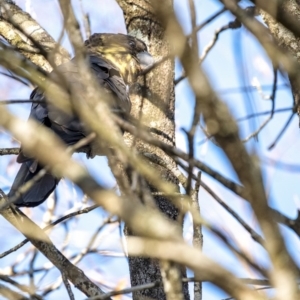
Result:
<point x="235" y="60"/>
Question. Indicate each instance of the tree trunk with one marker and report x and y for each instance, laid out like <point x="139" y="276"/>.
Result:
<point x="155" y="109"/>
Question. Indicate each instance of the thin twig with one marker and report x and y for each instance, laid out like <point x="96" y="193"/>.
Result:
<point x="255" y="236"/>
<point x="86" y="21"/>
<point x="240" y="254"/>
<point x="231" y="25"/>
<point x="17" y="101"/>
<point x="286" y="125"/>
<point x="86" y="250"/>
<point x="67" y="285"/>
<point x="207" y="21"/>
<point x="250" y="88"/>
<point x="31" y="268"/>
<point x="16" y="78"/>
<point x="60" y="220"/>
<point x="195" y="29"/>
<point x="255" y="134"/>
<point x="280" y="110"/>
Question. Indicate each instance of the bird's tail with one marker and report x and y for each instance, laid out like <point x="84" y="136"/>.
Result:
<point x="41" y="189"/>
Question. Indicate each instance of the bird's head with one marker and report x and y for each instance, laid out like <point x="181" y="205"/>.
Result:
<point x="127" y="53"/>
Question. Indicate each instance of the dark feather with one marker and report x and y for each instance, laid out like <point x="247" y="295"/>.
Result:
<point x="39" y="192"/>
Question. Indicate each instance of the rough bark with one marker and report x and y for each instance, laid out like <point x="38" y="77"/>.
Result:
<point x="286" y="39"/>
<point x="24" y="33"/>
<point x="155" y="109"/>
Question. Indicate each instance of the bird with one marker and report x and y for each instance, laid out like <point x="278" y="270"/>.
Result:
<point x="116" y="60"/>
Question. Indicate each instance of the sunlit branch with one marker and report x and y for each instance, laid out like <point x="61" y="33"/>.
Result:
<point x="9" y="151"/>
<point x="23" y="23"/>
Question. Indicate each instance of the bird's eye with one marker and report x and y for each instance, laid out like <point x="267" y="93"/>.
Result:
<point x="132" y="43"/>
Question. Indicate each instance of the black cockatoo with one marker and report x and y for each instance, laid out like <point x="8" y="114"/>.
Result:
<point x="116" y="60"/>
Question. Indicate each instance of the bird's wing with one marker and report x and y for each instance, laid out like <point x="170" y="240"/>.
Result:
<point x="39" y="113"/>
<point x="39" y="192"/>
<point x="109" y="78"/>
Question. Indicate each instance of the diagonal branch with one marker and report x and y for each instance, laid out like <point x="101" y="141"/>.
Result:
<point x="23" y="26"/>
<point x="276" y="10"/>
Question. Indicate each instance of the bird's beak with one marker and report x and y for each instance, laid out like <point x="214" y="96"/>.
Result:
<point x="146" y="60"/>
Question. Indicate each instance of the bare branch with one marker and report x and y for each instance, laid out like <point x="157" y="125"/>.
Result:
<point x="9" y="151"/>
<point x="30" y="28"/>
<point x="67" y="285"/>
